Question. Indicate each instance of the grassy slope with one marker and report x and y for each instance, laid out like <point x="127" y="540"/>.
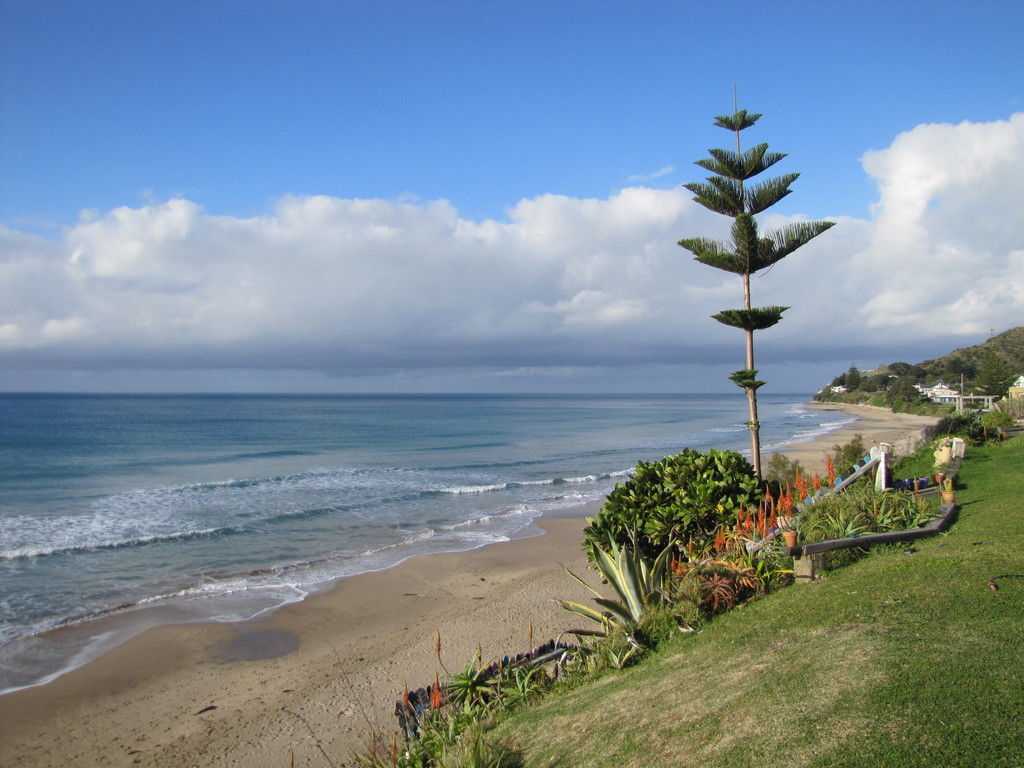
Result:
<point x="902" y="659"/>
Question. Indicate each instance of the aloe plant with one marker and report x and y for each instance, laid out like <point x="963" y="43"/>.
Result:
<point x="639" y="583"/>
<point x="472" y="687"/>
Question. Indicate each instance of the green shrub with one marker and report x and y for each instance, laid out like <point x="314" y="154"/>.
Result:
<point x="681" y="497"/>
<point x="859" y="510"/>
<point x="997" y="420"/>
<point x="782" y="470"/>
<point x="966" y="424"/>
<point x="845" y="456"/>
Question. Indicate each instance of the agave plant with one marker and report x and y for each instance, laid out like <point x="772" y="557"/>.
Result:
<point x="638" y="582"/>
<point x="473" y="686"/>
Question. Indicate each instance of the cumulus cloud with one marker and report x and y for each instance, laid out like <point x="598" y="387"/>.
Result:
<point x="343" y="285"/>
<point x="948" y="228"/>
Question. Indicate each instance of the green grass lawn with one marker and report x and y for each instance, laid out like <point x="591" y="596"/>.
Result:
<point x="905" y="658"/>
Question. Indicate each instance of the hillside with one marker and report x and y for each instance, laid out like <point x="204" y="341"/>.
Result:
<point x="1007" y="346"/>
<point x="986" y="368"/>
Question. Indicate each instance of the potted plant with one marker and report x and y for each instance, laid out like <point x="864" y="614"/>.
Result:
<point x="948" y="494"/>
<point x="788" y="531"/>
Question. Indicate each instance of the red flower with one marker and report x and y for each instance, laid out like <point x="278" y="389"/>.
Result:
<point x="830" y="470"/>
<point x="435" y="693"/>
<point x="801" y="486"/>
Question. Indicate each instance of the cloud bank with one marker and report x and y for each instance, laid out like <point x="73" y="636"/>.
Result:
<point x="344" y="286"/>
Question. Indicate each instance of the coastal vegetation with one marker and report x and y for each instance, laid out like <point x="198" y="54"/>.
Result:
<point x="901" y="658"/>
<point x="675" y="500"/>
<point x="988" y="368"/>
<point x="827" y="648"/>
<point x="749" y="250"/>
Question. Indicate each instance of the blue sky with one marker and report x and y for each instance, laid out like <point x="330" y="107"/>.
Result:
<point x="234" y="107"/>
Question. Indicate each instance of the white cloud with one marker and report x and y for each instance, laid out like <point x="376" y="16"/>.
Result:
<point x="665" y="170"/>
<point x="333" y="284"/>
<point x="947" y="229"/>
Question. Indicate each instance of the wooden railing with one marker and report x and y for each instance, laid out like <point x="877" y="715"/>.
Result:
<point x="810" y="559"/>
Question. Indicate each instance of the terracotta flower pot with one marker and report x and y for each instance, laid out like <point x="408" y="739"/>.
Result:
<point x="949" y="496"/>
<point x="790" y="538"/>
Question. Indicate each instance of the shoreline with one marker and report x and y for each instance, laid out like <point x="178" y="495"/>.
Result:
<point x="875" y="424"/>
<point x="193" y="694"/>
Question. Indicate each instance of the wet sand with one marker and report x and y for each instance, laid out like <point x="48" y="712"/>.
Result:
<point x="317" y="674"/>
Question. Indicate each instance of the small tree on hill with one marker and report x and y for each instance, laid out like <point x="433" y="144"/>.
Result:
<point x="995" y="376"/>
<point x="749" y="250"/>
<point x="853" y="378"/>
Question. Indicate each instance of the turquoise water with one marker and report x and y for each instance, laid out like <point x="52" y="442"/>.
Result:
<point x="225" y="506"/>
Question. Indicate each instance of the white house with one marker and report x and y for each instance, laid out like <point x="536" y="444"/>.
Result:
<point x="938" y="393"/>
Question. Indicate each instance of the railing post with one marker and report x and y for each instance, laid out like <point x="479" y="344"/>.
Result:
<point x="808" y="567"/>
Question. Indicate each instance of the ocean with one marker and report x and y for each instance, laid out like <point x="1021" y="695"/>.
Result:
<point x="118" y="512"/>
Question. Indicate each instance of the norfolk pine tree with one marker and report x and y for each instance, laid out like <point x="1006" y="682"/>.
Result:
<point x="749" y="250"/>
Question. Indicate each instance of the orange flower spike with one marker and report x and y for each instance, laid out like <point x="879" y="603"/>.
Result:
<point x="772" y="520"/>
<point x="435" y="694"/>
<point x="720" y="539"/>
<point x="830" y="470"/>
<point x="405" y="693"/>
<point x="816" y="481"/>
<point x="800" y="484"/>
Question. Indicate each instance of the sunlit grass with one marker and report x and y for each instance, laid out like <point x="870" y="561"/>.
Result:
<point x="905" y="658"/>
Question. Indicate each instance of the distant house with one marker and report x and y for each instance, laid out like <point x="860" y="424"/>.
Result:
<point x="838" y="389"/>
<point x="938" y="393"/>
<point x="1017" y="388"/>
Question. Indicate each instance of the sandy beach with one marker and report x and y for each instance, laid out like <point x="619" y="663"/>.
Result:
<point x="874" y="424"/>
<point x="323" y="670"/>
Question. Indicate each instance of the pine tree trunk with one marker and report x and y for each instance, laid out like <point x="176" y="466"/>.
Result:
<point x="755" y="431"/>
<point x="753" y="423"/>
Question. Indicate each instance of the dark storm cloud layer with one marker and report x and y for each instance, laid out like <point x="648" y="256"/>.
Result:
<point x="536" y="353"/>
